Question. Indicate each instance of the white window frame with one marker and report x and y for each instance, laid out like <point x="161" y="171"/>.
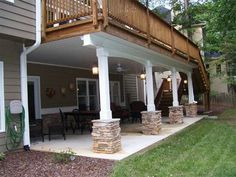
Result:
<point x="2" y="98"/>
<point x="87" y="96"/>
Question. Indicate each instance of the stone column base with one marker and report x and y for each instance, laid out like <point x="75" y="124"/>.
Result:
<point x="191" y="109"/>
<point x="176" y="114"/>
<point x="151" y="122"/>
<point x="106" y="136"/>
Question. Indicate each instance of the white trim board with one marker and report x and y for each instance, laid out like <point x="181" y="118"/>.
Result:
<point x="58" y="65"/>
<point x="55" y="110"/>
<point x="2" y="99"/>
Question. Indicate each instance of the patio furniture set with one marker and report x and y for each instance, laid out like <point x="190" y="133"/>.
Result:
<point x="81" y="120"/>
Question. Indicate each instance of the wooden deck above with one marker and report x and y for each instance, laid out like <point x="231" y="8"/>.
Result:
<point x="127" y="19"/>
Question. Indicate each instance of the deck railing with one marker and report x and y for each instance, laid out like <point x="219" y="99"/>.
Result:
<point x="129" y="14"/>
<point x="59" y="12"/>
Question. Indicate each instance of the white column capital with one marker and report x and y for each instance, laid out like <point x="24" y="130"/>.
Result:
<point x="173" y="70"/>
<point x="149" y="64"/>
<point x="102" y="52"/>
<point x="189" y="74"/>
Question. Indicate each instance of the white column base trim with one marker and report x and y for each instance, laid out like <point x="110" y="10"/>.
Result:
<point x="105" y="115"/>
<point x="175" y="103"/>
<point x="151" y="107"/>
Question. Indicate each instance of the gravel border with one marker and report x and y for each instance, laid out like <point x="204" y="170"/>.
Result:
<point x="42" y="164"/>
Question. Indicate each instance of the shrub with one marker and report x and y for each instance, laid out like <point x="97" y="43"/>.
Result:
<point x="64" y="156"/>
<point x="2" y="156"/>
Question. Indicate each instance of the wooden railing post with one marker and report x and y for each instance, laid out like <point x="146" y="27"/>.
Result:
<point x="44" y="19"/>
<point x="148" y="26"/>
<point x="172" y="40"/>
<point x="187" y="43"/>
<point x="95" y="13"/>
<point x="105" y="13"/>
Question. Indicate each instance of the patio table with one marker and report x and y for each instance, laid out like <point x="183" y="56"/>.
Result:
<point x="88" y="115"/>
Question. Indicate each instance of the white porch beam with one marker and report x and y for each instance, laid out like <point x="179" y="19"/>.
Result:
<point x="121" y="48"/>
<point x="104" y="90"/>
<point x="190" y="88"/>
<point x="174" y="87"/>
<point x="149" y="87"/>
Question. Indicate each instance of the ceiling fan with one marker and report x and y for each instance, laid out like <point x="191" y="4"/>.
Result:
<point x="119" y="68"/>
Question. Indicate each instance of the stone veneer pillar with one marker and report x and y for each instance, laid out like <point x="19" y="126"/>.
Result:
<point x="191" y="109"/>
<point x="151" y="122"/>
<point x="176" y="114"/>
<point x="106" y="136"/>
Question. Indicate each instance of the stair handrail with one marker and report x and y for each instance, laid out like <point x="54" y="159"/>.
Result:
<point x="160" y="93"/>
<point x="181" y="84"/>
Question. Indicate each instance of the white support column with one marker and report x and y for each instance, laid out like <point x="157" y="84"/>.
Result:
<point x="190" y="88"/>
<point x="174" y="88"/>
<point x="149" y="87"/>
<point x="144" y="92"/>
<point x="104" y="90"/>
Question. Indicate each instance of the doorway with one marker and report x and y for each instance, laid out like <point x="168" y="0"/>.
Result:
<point x="34" y="101"/>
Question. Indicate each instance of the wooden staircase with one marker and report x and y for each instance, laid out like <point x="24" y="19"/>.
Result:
<point x="164" y="97"/>
<point x="165" y="101"/>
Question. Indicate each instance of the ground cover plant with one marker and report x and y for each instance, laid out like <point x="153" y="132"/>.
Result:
<point x="208" y="148"/>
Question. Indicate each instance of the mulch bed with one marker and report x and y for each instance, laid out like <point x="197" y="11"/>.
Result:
<point x="42" y="164"/>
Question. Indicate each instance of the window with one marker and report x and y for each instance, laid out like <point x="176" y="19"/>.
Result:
<point x="2" y="102"/>
<point x="218" y="68"/>
<point x="115" y="92"/>
<point x="87" y="94"/>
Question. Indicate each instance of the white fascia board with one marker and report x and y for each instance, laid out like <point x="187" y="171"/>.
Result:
<point x="117" y="47"/>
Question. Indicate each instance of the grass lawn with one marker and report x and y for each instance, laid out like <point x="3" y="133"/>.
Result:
<point x="208" y="148"/>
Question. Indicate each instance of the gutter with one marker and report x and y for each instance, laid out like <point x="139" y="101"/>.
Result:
<point x="23" y="73"/>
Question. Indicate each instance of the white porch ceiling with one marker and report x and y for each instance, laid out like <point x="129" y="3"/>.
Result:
<point x="71" y="52"/>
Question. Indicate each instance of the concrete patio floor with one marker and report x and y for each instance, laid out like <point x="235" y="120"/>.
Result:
<point x="132" y="140"/>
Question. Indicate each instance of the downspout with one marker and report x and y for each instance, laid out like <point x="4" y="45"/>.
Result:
<point x="23" y="73"/>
